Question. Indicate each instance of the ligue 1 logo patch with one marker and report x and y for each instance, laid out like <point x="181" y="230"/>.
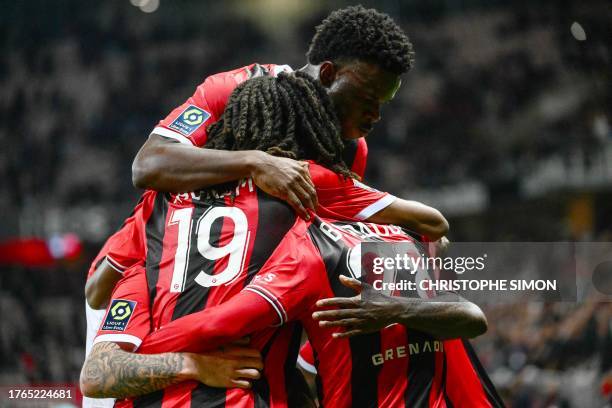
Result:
<point x="119" y="315"/>
<point x="190" y="120"/>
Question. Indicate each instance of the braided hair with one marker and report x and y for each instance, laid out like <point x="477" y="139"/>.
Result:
<point x="290" y="116"/>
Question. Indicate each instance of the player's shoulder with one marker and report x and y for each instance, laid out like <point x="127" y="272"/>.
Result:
<point x="239" y="75"/>
<point x="324" y="178"/>
<point x="297" y="244"/>
<point x="215" y="90"/>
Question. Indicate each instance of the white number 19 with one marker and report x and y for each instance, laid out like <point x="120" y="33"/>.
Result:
<point x="235" y="250"/>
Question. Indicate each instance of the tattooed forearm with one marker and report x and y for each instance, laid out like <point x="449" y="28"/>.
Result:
<point x="110" y="372"/>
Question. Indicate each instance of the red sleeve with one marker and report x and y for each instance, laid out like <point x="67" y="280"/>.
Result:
<point x="306" y="358"/>
<point x="120" y="244"/>
<point x="126" y="250"/>
<point x="212" y="327"/>
<point x="346" y="199"/>
<point x="463" y="386"/>
<point x="94" y="264"/>
<point x="219" y="87"/>
<point x="361" y="157"/>
<point x="128" y="317"/>
<point x="188" y="122"/>
<point x="128" y="246"/>
<point x="291" y="279"/>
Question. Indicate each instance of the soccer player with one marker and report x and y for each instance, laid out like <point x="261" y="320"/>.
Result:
<point x="414" y="215"/>
<point x="399" y="365"/>
<point x="357" y="54"/>
<point x="359" y="75"/>
<point x="466" y="383"/>
<point x="226" y="238"/>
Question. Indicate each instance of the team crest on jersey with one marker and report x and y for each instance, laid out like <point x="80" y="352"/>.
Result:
<point x="189" y="120"/>
<point x="119" y="314"/>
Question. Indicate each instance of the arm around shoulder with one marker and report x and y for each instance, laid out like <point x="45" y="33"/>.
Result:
<point x="110" y="372"/>
<point x="415" y="216"/>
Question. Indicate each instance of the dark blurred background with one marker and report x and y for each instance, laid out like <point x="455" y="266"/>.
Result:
<point x="503" y="124"/>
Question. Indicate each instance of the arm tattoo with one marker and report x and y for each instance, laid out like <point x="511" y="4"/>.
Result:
<point x="120" y="374"/>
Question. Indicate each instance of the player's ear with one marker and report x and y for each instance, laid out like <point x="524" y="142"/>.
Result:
<point x="327" y="73"/>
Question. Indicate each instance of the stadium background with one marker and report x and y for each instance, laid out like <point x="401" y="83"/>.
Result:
<point x="503" y="124"/>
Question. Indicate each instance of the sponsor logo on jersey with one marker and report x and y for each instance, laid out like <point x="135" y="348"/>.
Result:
<point x="189" y="120"/>
<point x="434" y="346"/>
<point x="119" y="314"/>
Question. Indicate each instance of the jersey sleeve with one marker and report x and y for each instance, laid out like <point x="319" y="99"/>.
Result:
<point x="188" y="122"/>
<point x="128" y="317"/>
<point x="212" y="327"/>
<point x="291" y="279"/>
<point x="118" y="250"/>
<point x="127" y="247"/>
<point x="361" y="157"/>
<point x="346" y="199"/>
<point x="306" y="358"/>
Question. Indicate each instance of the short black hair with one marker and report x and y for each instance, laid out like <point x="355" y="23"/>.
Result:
<point x="362" y="34"/>
<point x="290" y="116"/>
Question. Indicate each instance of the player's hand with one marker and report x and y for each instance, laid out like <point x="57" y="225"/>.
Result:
<point x="369" y="311"/>
<point x="286" y="179"/>
<point x="231" y="366"/>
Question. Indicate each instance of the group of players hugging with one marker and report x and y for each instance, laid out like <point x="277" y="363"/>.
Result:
<point x="245" y="242"/>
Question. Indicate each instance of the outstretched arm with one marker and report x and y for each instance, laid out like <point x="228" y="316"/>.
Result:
<point x="212" y="327"/>
<point x="110" y="372"/>
<point x="415" y="216"/>
<point x="444" y="317"/>
<point x="280" y="289"/>
<point x="165" y="165"/>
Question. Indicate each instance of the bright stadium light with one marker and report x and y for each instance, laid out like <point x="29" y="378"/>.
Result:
<point x="578" y="32"/>
<point x="138" y="3"/>
<point x="148" y="6"/>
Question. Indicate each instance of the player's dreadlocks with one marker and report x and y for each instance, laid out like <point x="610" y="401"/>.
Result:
<point x="290" y="116"/>
<point x="363" y="34"/>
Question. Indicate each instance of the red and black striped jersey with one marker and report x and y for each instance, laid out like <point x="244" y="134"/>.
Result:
<point x="124" y="248"/>
<point x="452" y="378"/>
<point x="339" y="198"/>
<point x="466" y="384"/>
<point x="395" y="367"/>
<point x="202" y="249"/>
<point x="391" y="368"/>
<point x="187" y="124"/>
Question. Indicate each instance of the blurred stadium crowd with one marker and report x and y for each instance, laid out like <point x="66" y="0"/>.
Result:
<point x="504" y="124"/>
